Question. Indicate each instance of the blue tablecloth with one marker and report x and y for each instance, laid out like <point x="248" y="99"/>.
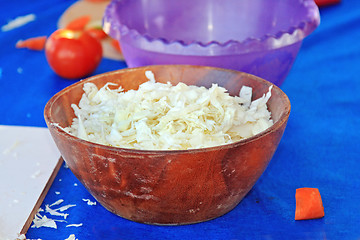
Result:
<point x="320" y="147"/>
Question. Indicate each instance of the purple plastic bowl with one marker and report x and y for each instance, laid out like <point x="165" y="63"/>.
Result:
<point x="260" y="37"/>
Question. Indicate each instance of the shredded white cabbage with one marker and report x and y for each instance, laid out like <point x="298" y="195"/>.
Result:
<point x="161" y="116"/>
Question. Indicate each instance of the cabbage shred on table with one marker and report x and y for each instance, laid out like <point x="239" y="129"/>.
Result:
<point x="166" y="117"/>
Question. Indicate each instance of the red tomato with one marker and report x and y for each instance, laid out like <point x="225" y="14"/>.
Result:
<point x="73" y="54"/>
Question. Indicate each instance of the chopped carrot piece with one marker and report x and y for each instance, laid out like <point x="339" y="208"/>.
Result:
<point x="308" y="204"/>
<point x="97" y="33"/>
<point x="35" y="43"/>
<point x="322" y="3"/>
<point x="115" y="43"/>
<point x="96" y="0"/>
<point x="78" y="23"/>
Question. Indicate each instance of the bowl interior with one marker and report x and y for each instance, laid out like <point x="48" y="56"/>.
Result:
<point x="58" y="110"/>
<point x="211" y="20"/>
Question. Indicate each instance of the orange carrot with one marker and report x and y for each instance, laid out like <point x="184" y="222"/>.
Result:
<point x="78" y="23"/>
<point x="115" y="43"/>
<point x="308" y="204"/>
<point x="96" y="1"/>
<point x="35" y="43"/>
<point x="322" y="3"/>
<point x="97" y="33"/>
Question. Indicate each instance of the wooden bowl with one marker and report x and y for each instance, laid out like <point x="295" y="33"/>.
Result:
<point x="175" y="186"/>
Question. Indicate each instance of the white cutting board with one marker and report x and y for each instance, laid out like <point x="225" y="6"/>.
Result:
<point x="29" y="162"/>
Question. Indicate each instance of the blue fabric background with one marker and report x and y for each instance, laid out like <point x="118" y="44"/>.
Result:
<point x="320" y="147"/>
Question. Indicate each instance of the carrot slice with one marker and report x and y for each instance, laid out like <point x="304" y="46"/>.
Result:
<point x="97" y="33"/>
<point x="35" y="43"/>
<point x="115" y="43"/>
<point x="78" y="23"/>
<point x="308" y="204"/>
<point x="322" y="3"/>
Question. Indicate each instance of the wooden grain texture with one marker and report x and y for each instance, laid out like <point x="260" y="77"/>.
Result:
<point x="169" y="187"/>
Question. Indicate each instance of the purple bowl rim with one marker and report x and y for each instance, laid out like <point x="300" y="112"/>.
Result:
<point x="116" y="29"/>
<point x="60" y="129"/>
